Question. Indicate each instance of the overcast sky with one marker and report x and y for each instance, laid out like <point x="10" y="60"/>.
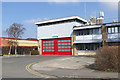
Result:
<point x="27" y="13"/>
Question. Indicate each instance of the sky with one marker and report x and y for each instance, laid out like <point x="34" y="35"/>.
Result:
<point x="27" y="13"/>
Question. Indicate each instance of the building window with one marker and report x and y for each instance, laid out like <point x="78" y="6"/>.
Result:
<point x="119" y="29"/>
<point x="114" y="44"/>
<point x="86" y="47"/>
<point x="111" y="30"/>
<point x="89" y="32"/>
<point x="116" y="29"/>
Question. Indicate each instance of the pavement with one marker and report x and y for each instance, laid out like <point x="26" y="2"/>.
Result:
<point x="70" y="67"/>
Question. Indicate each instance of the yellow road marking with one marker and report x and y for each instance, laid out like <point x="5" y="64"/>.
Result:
<point x="36" y="73"/>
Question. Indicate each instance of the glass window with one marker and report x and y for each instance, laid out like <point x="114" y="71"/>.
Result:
<point x="119" y="29"/>
<point x="88" y="46"/>
<point x="77" y="33"/>
<point x="84" y="32"/>
<point x="116" y="29"/>
<point x="94" y="31"/>
<point x="69" y="40"/>
<point x="100" y="31"/>
<point x="68" y="43"/>
<point x="69" y="50"/>
<point x="52" y="47"/>
<point x="112" y="29"/>
<point x="109" y="30"/>
<point x="81" y="33"/>
<point x="91" y="31"/>
<point x="65" y="40"/>
<point x="87" y="32"/>
<point x="65" y="49"/>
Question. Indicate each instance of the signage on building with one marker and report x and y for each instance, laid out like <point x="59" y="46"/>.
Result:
<point x="55" y="36"/>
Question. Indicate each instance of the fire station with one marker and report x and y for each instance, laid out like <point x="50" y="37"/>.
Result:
<point x="56" y="36"/>
<point x="76" y="36"/>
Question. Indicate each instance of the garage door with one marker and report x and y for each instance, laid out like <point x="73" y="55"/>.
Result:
<point x="61" y="46"/>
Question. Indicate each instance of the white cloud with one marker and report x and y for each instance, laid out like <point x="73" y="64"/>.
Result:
<point x="35" y="20"/>
<point x="110" y="5"/>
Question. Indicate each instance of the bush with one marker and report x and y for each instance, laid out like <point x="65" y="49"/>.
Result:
<point x="5" y="50"/>
<point x="35" y="52"/>
<point x="108" y="58"/>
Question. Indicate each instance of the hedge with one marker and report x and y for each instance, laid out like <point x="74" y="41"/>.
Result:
<point x="108" y="58"/>
<point x="35" y="52"/>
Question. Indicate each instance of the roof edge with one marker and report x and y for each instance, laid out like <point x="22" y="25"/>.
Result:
<point x="61" y="19"/>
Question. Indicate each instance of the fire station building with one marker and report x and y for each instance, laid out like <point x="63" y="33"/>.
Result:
<point x="56" y="36"/>
<point x="75" y="36"/>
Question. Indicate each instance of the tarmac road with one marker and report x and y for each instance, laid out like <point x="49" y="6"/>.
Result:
<point x="15" y="67"/>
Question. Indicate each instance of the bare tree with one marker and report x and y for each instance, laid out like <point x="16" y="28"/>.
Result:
<point x="14" y="31"/>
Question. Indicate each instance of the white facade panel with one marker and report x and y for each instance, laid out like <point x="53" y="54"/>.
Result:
<point x="89" y="37"/>
<point x="112" y="36"/>
<point x="87" y="27"/>
<point x="60" y="30"/>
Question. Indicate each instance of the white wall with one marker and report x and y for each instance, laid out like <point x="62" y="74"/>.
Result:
<point x="89" y="37"/>
<point x="61" y="30"/>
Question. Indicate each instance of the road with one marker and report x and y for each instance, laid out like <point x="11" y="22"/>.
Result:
<point x="15" y="67"/>
<point x="60" y="66"/>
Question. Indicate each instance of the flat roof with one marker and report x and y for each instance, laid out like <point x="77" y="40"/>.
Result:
<point x="112" y="24"/>
<point x="61" y="19"/>
<point x="17" y="39"/>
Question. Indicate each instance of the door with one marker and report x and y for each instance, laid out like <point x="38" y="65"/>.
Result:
<point x="59" y="46"/>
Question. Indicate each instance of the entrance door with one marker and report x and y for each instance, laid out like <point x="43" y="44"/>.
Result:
<point x="59" y="46"/>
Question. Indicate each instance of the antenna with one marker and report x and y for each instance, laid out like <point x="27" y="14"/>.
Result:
<point x="85" y="9"/>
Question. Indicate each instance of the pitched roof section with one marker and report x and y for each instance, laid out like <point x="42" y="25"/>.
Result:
<point x="62" y="19"/>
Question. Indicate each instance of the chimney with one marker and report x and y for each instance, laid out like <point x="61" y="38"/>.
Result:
<point x="113" y="21"/>
<point x="98" y="20"/>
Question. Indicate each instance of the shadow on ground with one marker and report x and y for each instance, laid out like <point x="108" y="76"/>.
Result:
<point x="91" y="66"/>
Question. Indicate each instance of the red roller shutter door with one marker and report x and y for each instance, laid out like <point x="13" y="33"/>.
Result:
<point x="61" y="46"/>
